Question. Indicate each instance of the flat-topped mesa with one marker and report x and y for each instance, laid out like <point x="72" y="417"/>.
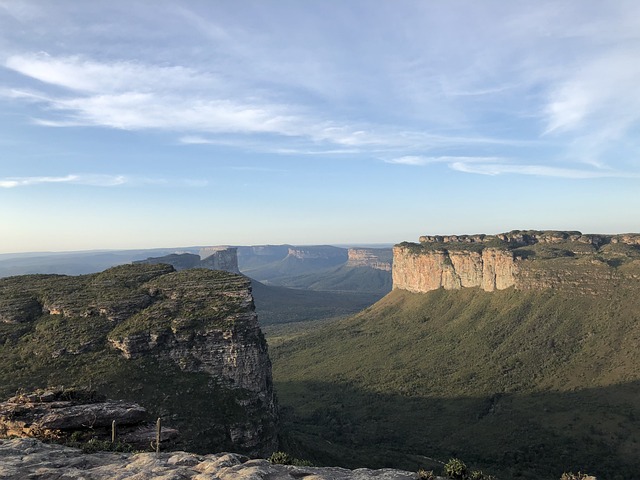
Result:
<point x="220" y="258"/>
<point x="524" y="259"/>
<point x="377" y="258"/>
<point x="321" y="252"/>
<point x="532" y="237"/>
<point x="212" y="258"/>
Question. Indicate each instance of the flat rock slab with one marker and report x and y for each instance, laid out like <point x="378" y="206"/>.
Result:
<point x="23" y="458"/>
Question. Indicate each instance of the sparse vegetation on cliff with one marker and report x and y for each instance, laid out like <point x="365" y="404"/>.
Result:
<point x="59" y="330"/>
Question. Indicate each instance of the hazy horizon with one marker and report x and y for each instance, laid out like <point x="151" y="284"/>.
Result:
<point x="130" y="126"/>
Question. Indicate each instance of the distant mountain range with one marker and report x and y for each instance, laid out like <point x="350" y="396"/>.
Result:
<point x="290" y="283"/>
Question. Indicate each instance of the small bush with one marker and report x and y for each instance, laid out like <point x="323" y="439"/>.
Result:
<point x="574" y="476"/>
<point x="280" y="458"/>
<point x="478" y="475"/>
<point x="426" y="474"/>
<point x="283" y="458"/>
<point x="455" y="468"/>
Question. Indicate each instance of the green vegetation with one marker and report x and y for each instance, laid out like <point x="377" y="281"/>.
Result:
<point x="277" y="305"/>
<point x="283" y="458"/>
<point x="66" y="341"/>
<point x="456" y="469"/>
<point x="574" y="476"/>
<point x="521" y="384"/>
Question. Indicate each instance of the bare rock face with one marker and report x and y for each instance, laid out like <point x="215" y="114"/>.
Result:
<point x="526" y="260"/>
<point x="317" y="253"/>
<point x="220" y="258"/>
<point x="490" y="270"/>
<point x="212" y="258"/>
<point x="27" y="458"/>
<point x="378" y="258"/>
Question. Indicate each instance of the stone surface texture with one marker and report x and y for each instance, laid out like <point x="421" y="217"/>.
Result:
<point x="28" y="458"/>
<point x="378" y="258"/>
<point x="525" y="260"/>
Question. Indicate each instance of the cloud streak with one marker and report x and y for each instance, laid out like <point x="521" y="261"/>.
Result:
<point x="96" y="180"/>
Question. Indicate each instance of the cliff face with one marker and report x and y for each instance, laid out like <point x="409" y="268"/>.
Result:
<point x="490" y="270"/>
<point x="213" y="258"/>
<point x="526" y="260"/>
<point x="220" y="258"/>
<point x="377" y="258"/>
<point x="186" y="345"/>
<point x="318" y="253"/>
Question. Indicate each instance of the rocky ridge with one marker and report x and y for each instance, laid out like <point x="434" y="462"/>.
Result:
<point x="526" y="260"/>
<point x="60" y="415"/>
<point x="186" y="345"/>
<point x="29" y="458"/>
<point x="212" y="258"/>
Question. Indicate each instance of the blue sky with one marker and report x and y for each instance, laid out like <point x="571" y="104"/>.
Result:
<point x="127" y="124"/>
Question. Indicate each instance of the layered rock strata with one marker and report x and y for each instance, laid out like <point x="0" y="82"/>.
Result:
<point x="490" y="270"/>
<point x="526" y="260"/>
<point x="377" y="258"/>
<point x="213" y="258"/>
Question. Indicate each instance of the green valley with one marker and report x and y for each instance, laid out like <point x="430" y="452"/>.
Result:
<point x="524" y="384"/>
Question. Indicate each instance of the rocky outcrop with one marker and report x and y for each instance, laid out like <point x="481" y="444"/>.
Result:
<point x="212" y="258"/>
<point x="28" y="458"/>
<point x="377" y="258"/>
<point x="61" y="414"/>
<point x="220" y="258"/>
<point x="186" y="345"/>
<point x="526" y="260"/>
<point x="179" y="261"/>
<point x="490" y="269"/>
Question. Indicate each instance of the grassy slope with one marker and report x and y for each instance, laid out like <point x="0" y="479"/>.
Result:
<point x="276" y="305"/>
<point x="343" y="279"/>
<point x="526" y="384"/>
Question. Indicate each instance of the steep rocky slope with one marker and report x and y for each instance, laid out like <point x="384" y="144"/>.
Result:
<point x="186" y="345"/>
<point x="524" y="260"/>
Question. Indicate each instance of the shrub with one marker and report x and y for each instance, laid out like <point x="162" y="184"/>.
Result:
<point x="455" y="468"/>
<point x="574" y="476"/>
<point x="478" y="475"/>
<point x="283" y="458"/>
<point x="426" y="474"/>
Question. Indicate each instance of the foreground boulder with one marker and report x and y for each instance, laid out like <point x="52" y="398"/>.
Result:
<point x="77" y="415"/>
<point x="28" y="458"/>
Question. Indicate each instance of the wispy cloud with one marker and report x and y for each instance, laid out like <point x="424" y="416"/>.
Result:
<point x="503" y="166"/>
<point x="94" y="180"/>
<point x="97" y="180"/>
<point x="536" y="170"/>
<point x="418" y="160"/>
<point x="134" y="96"/>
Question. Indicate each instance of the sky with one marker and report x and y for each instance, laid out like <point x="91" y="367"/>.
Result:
<point x="140" y="124"/>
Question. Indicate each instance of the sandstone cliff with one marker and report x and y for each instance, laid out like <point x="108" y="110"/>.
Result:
<point x="213" y="258"/>
<point x="525" y="260"/>
<point x="377" y="258"/>
<point x="186" y="345"/>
